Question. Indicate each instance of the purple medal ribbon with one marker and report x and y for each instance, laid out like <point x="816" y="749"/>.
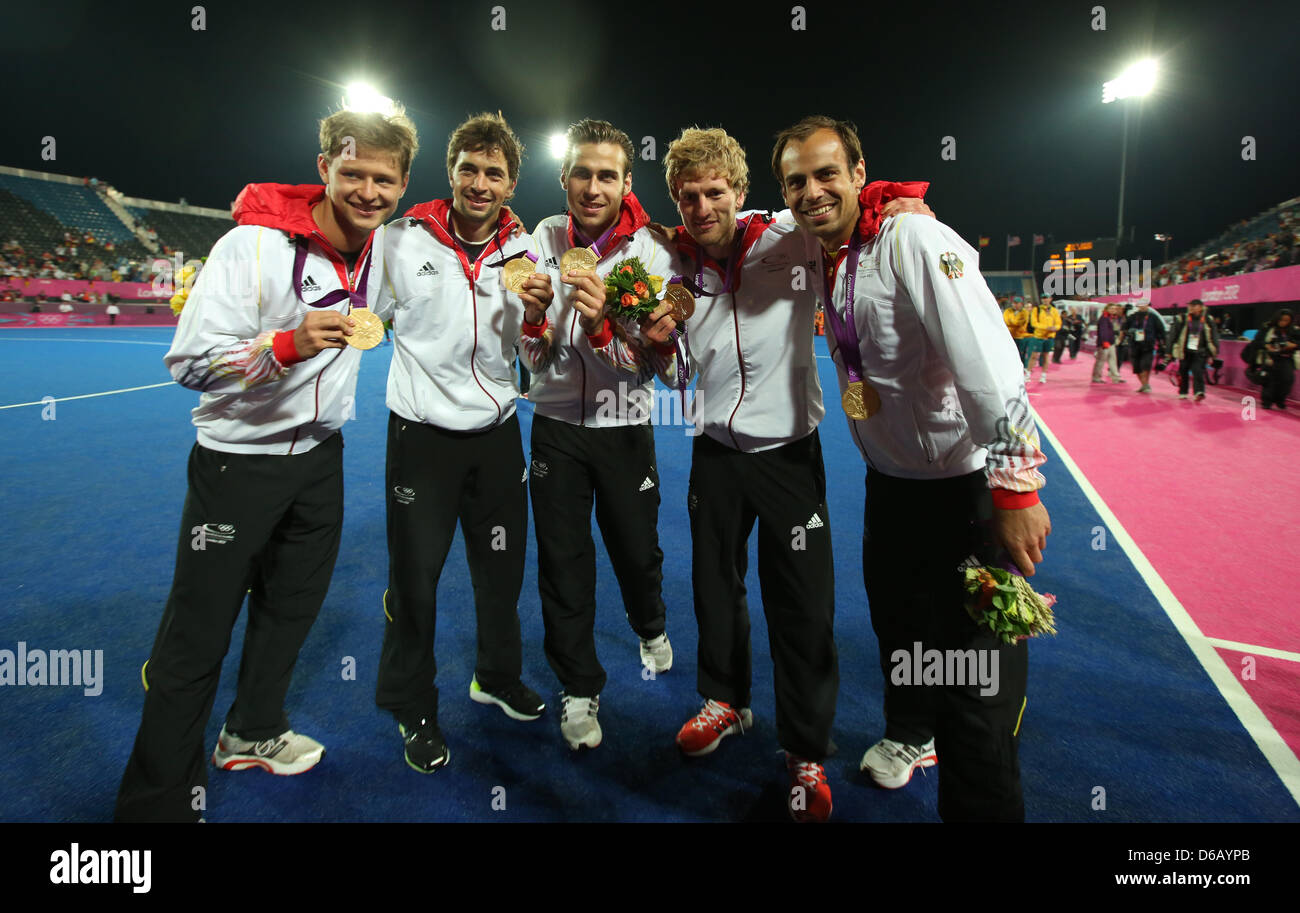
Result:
<point x="846" y="332"/>
<point x="733" y="267"/>
<point x="357" y="297"/>
<point x="680" y="345"/>
<point x="594" y="245"/>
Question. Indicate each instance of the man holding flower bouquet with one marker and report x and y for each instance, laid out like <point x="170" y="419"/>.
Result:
<point x="592" y="442"/>
<point x="935" y="397"/>
<point x="757" y="460"/>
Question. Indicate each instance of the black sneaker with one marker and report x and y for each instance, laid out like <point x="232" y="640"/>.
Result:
<point x="518" y="700"/>
<point x="425" y="749"/>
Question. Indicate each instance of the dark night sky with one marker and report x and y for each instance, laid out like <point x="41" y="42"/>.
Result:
<point x="136" y="97"/>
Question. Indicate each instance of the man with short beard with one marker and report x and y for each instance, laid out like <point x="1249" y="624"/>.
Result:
<point x="592" y="441"/>
<point x="937" y="405"/>
<point x="454" y="446"/>
<point x="263" y="336"/>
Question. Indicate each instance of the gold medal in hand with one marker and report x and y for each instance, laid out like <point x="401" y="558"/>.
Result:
<point x="578" y="258"/>
<point x="682" y="301"/>
<point x="516" y="273"/>
<point x="368" y="332"/>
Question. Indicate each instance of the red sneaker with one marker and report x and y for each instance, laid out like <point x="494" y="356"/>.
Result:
<point x="810" y="794"/>
<point x="711" y="725"/>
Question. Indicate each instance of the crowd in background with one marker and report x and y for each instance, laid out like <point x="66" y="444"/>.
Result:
<point x="1246" y="255"/>
<point x="80" y="256"/>
<point x="1151" y="342"/>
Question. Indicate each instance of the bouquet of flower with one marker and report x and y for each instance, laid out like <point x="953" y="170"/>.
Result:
<point x="185" y="282"/>
<point x="1005" y="603"/>
<point x="630" y="291"/>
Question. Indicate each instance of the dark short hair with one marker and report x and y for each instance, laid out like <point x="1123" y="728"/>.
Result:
<point x="485" y="132"/>
<point x="846" y="130"/>
<point x="1196" y="301"/>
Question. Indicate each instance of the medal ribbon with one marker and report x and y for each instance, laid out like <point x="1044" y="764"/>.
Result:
<point x="846" y="331"/>
<point x="357" y="297"/>
<point x="733" y="266"/>
<point x="594" y="245"/>
<point x="680" y="344"/>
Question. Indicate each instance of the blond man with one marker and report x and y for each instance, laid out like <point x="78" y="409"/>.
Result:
<point x="262" y="336"/>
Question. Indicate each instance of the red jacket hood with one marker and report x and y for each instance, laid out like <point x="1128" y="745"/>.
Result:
<point x="438" y="212"/>
<point x="757" y="224"/>
<point x="286" y="207"/>
<point x="631" y="216"/>
<point x="875" y="195"/>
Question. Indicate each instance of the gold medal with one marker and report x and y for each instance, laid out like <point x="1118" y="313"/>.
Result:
<point x="860" y="401"/>
<point x="516" y="273"/>
<point x="682" y="300"/>
<point x="368" y="332"/>
<point x="578" y="258"/>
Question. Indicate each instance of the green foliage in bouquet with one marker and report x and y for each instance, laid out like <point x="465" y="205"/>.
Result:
<point x="1007" y="605"/>
<point x="630" y="291"/>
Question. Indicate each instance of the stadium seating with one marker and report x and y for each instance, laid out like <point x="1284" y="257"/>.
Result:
<point x="192" y="235"/>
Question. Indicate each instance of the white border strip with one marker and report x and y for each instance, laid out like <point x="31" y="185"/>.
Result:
<point x="1275" y="749"/>
<point x="1252" y="648"/>
<point x="64" y="399"/>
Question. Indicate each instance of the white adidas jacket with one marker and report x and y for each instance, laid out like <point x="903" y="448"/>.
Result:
<point x="598" y="380"/>
<point x="234" y="339"/>
<point x="935" y="347"/>
<point x="752" y="350"/>
<point x="455" y="324"/>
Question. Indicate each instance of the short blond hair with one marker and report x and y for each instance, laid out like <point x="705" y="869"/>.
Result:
<point x="392" y="132"/>
<point x="701" y="153"/>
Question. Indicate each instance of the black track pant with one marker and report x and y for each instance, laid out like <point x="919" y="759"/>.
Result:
<point x="1281" y="377"/>
<point x="251" y="521"/>
<point x="915" y="535"/>
<point x="1193" y="364"/>
<point x="435" y="478"/>
<point x="572" y="467"/>
<point x="784" y="489"/>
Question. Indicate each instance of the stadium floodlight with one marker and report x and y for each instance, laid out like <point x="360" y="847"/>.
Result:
<point x="559" y="145"/>
<point x="1137" y="80"/>
<point x="364" y="98"/>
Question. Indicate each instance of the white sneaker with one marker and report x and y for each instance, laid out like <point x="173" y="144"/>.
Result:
<point x="578" y="722"/>
<point x="657" y="653"/>
<point x="1043" y="378"/>
<point x="891" y="763"/>
<point x="287" y="754"/>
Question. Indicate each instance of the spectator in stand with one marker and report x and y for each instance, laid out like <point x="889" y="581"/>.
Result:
<point x="1279" y="354"/>
<point x="1110" y="330"/>
<point x="1194" y="341"/>
<point x="1044" y="324"/>
<point x="1144" y="333"/>
<point x="1017" y="320"/>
